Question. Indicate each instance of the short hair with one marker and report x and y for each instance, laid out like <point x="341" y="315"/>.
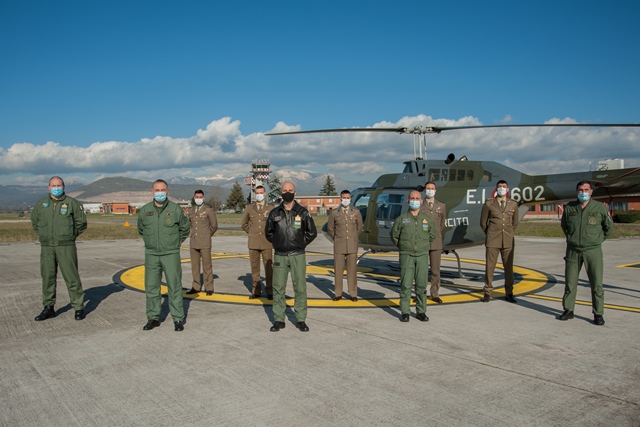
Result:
<point x="54" y="177"/>
<point x="199" y="192"/>
<point x="160" y="181"/>
<point x="260" y="187"/>
<point x="345" y="192"/>
<point x="583" y="183"/>
<point x="502" y="181"/>
<point x="430" y="182"/>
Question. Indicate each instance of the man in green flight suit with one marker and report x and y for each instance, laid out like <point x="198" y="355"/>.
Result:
<point x="412" y="233"/>
<point x="586" y="223"/>
<point x="58" y="219"/>
<point x="163" y="227"/>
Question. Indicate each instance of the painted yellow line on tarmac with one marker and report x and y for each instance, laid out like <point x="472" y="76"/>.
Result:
<point x="531" y="281"/>
<point x="634" y="265"/>
<point x="609" y="306"/>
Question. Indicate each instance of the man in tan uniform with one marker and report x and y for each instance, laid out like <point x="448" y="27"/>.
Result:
<point x="499" y="221"/>
<point x="253" y="221"/>
<point x="437" y="211"/>
<point x="344" y="227"/>
<point x="203" y="225"/>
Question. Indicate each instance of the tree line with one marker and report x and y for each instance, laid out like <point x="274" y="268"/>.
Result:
<point x="236" y="200"/>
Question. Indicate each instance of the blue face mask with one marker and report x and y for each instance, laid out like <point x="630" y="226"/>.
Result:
<point x="160" y="196"/>
<point x="57" y="191"/>
<point x="414" y="205"/>
<point x="584" y="197"/>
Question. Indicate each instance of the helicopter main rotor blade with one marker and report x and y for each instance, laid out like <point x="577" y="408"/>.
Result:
<point x="399" y="130"/>
<point x="421" y="130"/>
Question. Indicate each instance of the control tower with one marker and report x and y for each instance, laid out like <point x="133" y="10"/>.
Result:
<point x="260" y="172"/>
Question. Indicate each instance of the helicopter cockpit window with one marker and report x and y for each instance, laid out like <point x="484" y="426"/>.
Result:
<point x="389" y="206"/>
<point x="434" y="175"/>
<point x="361" y="202"/>
<point x="487" y="176"/>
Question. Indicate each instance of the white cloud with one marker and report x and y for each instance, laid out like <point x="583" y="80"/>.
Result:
<point x="222" y="149"/>
<point x="357" y="168"/>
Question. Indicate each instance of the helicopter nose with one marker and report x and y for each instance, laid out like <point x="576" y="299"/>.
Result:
<point x="325" y="231"/>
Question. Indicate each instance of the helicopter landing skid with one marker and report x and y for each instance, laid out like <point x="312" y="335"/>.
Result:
<point x="368" y="251"/>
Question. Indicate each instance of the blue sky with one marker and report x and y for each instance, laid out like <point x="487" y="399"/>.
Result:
<point x="151" y="89"/>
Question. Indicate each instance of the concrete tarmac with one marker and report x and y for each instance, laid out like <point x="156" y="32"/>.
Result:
<point x="472" y="364"/>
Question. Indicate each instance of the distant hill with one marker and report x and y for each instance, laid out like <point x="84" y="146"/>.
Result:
<point x="122" y="189"/>
<point x="19" y="197"/>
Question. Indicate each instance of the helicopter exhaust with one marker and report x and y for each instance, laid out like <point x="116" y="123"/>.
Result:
<point x="450" y="158"/>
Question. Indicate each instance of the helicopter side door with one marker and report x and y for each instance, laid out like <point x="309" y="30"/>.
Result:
<point x="390" y="204"/>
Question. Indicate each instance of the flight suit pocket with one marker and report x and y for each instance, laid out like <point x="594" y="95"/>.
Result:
<point x="65" y="228"/>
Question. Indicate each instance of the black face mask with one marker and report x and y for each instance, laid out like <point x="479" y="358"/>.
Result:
<point x="288" y="197"/>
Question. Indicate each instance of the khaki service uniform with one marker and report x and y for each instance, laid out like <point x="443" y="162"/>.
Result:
<point x="57" y="224"/>
<point x="163" y="230"/>
<point x="413" y="236"/>
<point x="253" y="223"/>
<point x="344" y="227"/>
<point x="437" y="211"/>
<point x="585" y="230"/>
<point x="499" y="221"/>
<point x="204" y="224"/>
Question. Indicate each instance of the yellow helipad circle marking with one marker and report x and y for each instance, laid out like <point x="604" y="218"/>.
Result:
<point x="531" y="281"/>
<point x="633" y="265"/>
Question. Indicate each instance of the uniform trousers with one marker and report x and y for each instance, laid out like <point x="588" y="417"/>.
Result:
<point x="506" y="254"/>
<point x="413" y="269"/>
<point x="297" y="265"/>
<point x="66" y="257"/>
<point x="203" y="254"/>
<point x="154" y="265"/>
<point x="435" y="259"/>
<point x="352" y="273"/>
<point x="267" y="260"/>
<point x="593" y="262"/>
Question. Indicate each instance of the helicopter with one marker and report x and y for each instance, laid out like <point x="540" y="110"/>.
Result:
<point x="463" y="186"/>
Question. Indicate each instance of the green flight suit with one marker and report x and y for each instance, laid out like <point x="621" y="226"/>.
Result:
<point x="585" y="230"/>
<point x="163" y="230"/>
<point x="413" y="236"/>
<point x="58" y="223"/>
